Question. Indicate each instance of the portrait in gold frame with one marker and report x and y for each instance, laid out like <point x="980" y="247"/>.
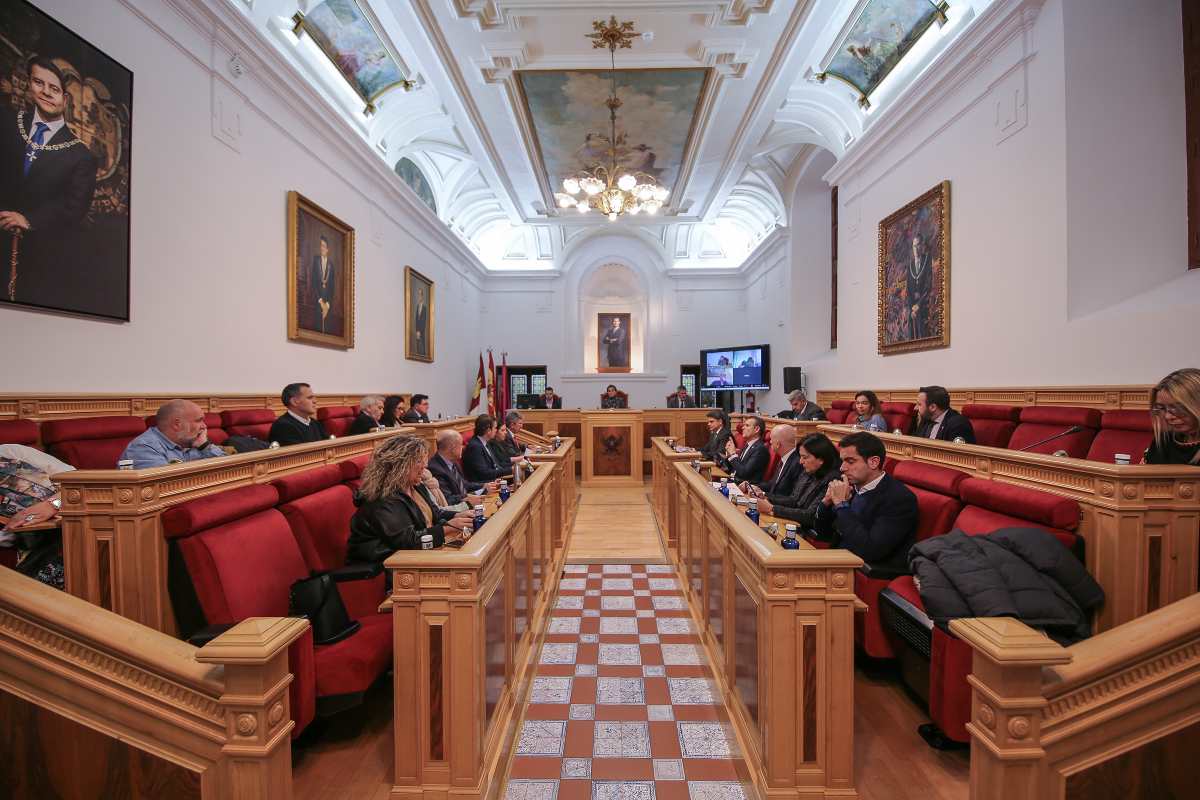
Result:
<point x="418" y="316"/>
<point x="320" y="275"/>
<point x="914" y="275"/>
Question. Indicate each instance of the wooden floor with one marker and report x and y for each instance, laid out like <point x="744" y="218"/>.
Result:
<point x="615" y="526"/>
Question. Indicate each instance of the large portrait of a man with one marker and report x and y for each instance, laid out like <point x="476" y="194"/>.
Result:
<point x="614" y="343"/>
<point x="914" y="275"/>
<point x="418" y="302"/>
<point x="320" y="272"/>
<point x="65" y="130"/>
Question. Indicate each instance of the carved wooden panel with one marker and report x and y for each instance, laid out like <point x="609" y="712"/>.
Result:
<point x="715" y="586"/>
<point x="1164" y="768"/>
<point x="650" y="429"/>
<point x="1101" y="397"/>
<point x="611" y="451"/>
<point x="495" y="651"/>
<point x="536" y="427"/>
<point x="695" y="434"/>
<point x="573" y="429"/>
<point x="47" y="755"/>
<point x="437" y="723"/>
<point x="745" y="646"/>
<point x="808" y="668"/>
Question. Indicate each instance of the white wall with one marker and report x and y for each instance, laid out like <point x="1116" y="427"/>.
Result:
<point x="1068" y="234"/>
<point x="208" y="254"/>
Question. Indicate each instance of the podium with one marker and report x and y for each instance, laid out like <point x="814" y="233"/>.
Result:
<point x="613" y="452"/>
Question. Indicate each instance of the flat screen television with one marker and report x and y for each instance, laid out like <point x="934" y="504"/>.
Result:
<point x="736" y="368"/>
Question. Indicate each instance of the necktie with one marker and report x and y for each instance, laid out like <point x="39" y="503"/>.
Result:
<point x="39" y="133"/>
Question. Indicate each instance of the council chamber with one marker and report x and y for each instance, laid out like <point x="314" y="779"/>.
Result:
<point x="714" y="400"/>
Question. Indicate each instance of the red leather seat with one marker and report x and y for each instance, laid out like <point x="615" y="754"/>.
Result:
<point x="337" y="419"/>
<point x="1128" y="432"/>
<point x="90" y="442"/>
<point x="623" y="395"/>
<point x="352" y="469"/>
<point x="1039" y="422"/>
<point x="839" y="410"/>
<point x="772" y="458"/>
<point x="19" y="431"/>
<point x="212" y="421"/>
<point x="254" y="422"/>
<point x="242" y="558"/>
<point x="900" y="416"/>
<point x="994" y="425"/>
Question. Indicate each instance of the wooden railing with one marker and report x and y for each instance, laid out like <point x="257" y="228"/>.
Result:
<point x="114" y="553"/>
<point x="1116" y="716"/>
<point x="42" y="407"/>
<point x="1104" y="398"/>
<point x="566" y="482"/>
<point x="95" y="705"/>
<point x="1141" y="524"/>
<point x="779" y="629"/>
<point x="467" y="626"/>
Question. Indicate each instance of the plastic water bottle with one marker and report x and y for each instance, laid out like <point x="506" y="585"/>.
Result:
<point x="696" y="464"/>
<point x="504" y="493"/>
<point x="790" y="542"/>
<point x="752" y="511"/>
<point x="125" y="463"/>
<point x="724" y="487"/>
<point x="427" y="541"/>
<point x="479" y="519"/>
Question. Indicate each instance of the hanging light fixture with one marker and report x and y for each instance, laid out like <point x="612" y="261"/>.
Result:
<point x="609" y="188"/>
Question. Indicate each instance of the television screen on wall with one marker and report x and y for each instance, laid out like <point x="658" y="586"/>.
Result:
<point x="732" y="368"/>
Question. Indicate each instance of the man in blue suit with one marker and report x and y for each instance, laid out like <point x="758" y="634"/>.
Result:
<point x="479" y="464"/>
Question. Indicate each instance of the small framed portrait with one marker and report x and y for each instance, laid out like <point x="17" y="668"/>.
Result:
<point x="320" y="275"/>
<point x="418" y="317"/>
<point x="914" y="275"/>
<point x="612" y="338"/>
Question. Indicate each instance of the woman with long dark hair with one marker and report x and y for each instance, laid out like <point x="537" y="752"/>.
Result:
<point x="821" y="464"/>
<point x="870" y="413"/>
<point x="391" y="411"/>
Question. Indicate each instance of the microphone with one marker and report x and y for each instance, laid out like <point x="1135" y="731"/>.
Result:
<point x="1067" y="432"/>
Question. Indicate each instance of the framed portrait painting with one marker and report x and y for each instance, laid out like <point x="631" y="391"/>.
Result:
<point x="914" y="275"/>
<point x="320" y="275"/>
<point x="66" y="125"/>
<point x="418" y="317"/>
<point x="612" y="338"/>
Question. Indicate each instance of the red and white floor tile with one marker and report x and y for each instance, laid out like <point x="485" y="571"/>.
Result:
<point x="623" y="705"/>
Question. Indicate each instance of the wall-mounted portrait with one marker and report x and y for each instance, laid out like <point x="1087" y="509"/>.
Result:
<point x="65" y="129"/>
<point x="418" y="328"/>
<point x="914" y="275"/>
<point x="320" y="275"/>
<point x="612" y="336"/>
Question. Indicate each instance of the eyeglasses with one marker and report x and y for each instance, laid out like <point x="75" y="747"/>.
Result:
<point x="1172" y="409"/>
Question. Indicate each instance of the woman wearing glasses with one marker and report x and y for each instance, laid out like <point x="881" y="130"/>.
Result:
<point x="1175" y="409"/>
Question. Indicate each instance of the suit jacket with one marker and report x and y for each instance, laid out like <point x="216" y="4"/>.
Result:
<point x="613" y="402"/>
<point x="363" y="423"/>
<point x="881" y="531"/>
<point x="381" y="527"/>
<point x="288" y="430"/>
<point x="673" y="402"/>
<point x="781" y="486"/>
<point x="810" y="411"/>
<point x="615" y="339"/>
<point x="479" y="464"/>
<point x="454" y="484"/>
<point x="750" y="464"/>
<point x="323" y="291"/>
<point x="715" y="449"/>
<point x="953" y="425"/>
<point x="504" y="449"/>
<point x="541" y="402"/>
<point x="412" y="415"/>
<point x="802" y="504"/>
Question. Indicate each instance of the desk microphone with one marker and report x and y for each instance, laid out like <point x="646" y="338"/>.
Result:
<point x="1067" y="432"/>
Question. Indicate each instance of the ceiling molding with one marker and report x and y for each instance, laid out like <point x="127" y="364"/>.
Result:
<point x="729" y="59"/>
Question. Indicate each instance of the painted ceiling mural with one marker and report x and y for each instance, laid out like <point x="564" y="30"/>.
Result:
<point x="654" y="123"/>
<point x="345" y="34"/>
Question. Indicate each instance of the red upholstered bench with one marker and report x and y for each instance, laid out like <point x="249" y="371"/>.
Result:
<point x="352" y="469"/>
<point x="1040" y="422"/>
<point x="1128" y="432"/>
<point x="19" y="431"/>
<point x="920" y="645"/>
<point x="91" y="442"/>
<point x="337" y="419"/>
<point x="242" y="559"/>
<point x="899" y="416"/>
<point x="254" y="422"/>
<point x="839" y="410"/>
<point x="994" y="425"/>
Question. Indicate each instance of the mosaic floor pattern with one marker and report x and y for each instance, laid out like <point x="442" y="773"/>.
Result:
<point x="623" y="705"/>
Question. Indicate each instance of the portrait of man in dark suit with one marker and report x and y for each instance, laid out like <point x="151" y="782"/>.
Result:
<point x="322" y="280"/>
<point x="418" y="297"/>
<point x="64" y="169"/>
<point x="614" y="342"/>
<point x="320" y="275"/>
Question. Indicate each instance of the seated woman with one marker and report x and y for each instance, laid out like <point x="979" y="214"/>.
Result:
<point x="392" y="411"/>
<point x="395" y="509"/>
<point x="611" y="398"/>
<point x="1175" y="408"/>
<point x="821" y="464"/>
<point x="870" y="415"/>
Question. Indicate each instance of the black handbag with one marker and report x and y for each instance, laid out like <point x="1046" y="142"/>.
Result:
<point x="318" y="599"/>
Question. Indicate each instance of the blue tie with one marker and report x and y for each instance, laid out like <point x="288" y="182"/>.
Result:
<point x="31" y="153"/>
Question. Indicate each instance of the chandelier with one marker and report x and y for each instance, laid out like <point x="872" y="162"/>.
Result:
<point x="609" y="188"/>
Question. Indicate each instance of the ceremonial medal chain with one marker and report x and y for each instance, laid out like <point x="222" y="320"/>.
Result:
<point x="34" y="146"/>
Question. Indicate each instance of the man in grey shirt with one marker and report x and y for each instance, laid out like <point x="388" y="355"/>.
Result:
<point x="179" y="434"/>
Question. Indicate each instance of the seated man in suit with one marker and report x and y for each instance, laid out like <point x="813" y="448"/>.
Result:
<point x="370" y="410"/>
<point x="549" y="399"/>
<point x="299" y="423"/>
<point x="783" y="442"/>
<point x="869" y="513"/>
<point x="611" y="399"/>
<point x="718" y="434"/>
<point x="801" y="408"/>
<point x="179" y="434"/>
<point x="444" y="467"/>
<point x="478" y="463"/>
<point x="937" y="420"/>
<point x="504" y="444"/>
<point x="750" y="463"/>
<point x="418" y="409"/>
<point x="681" y="398"/>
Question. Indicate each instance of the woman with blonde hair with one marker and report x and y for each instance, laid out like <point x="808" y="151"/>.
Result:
<point x="395" y="509"/>
<point x="1175" y="411"/>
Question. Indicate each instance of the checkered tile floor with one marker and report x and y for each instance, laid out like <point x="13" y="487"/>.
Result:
<point x="623" y="705"/>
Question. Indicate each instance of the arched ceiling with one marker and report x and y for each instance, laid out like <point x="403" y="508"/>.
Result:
<point x="466" y="123"/>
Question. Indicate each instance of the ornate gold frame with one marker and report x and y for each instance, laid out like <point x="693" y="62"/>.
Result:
<point x="940" y="194"/>
<point x="409" y="275"/>
<point x="296" y="203"/>
<point x="627" y="321"/>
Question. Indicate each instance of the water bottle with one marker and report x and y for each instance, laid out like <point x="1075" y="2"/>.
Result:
<point x="696" y="464"/>
<point x="557" y="442"/>
<point x="790" y="542"/>
<point x="125" y="463"/>
<point x="752" y="511"/>
<point x="479" y="519"/>
<point x="331" y="436"/>
<point x="274" y="446"/>
<point x="518" y="468"/>
<point x="504" y="494"/>
<point x="724" y="487"/>
<point x="427" y="541"/>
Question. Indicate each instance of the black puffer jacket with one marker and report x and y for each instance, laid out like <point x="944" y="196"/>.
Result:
<point x="1013" y="572"/>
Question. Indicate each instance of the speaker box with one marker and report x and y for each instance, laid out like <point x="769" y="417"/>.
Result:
<point x="793" y="379"/>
